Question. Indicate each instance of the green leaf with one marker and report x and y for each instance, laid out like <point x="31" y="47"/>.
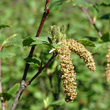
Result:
<point x="11" y="41"/>
<point x="82" y="3"/>
<point x="56" y="3"/>
<point x="87" y="43"/>
<point x="6" y="55"/>
<point x="40" y="40"/>
<point x="14" y="89"/>
<point x="50" y="40"/>
<point x="27" y="41"/>
<point x="6" y="96"/>
<point x="4" y="26"/>
<point x="101" y="46"/>
<point x="59" y="102"/>
<point x="105" y="37"/>
<point x="105" y="16"/>
<point x="55" y="45"/>
<point x="105" y="4"/>
<point x="34" y="61"/>
<point x="91" y="38"/>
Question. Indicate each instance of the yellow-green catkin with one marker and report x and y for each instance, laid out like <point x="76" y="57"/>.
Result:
<point x="83" y="53"/>
<point x="108" y="66"/>
<point x="67" y="69"/>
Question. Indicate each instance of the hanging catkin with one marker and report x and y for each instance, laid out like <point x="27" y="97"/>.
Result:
<point x="67" y="68"/>
<point x="108" y="65"/>
<point x="68" y="74"/>
<point x="83" y="53"/>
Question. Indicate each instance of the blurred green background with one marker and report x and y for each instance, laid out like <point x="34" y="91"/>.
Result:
<point x="24" y="16"/>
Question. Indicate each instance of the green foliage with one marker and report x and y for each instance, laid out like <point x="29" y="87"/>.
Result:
<point x="59" y="102"/>
<point x="27" y="41"/>
<point x="105" y="37"/>
<point x="105" y="16"/>
<point x="55" y="45"/>
<point x="5" y="95"/>
<point x="105" y="3"/>
<point x="6" y="55"/>
<point x="82" y="3"/>
<point x="11" y="41"/>
<point x="34" y="61"/>
<point x="3" y="26"/>
<point x="13" y="90"/>
<point x="101" y="46"/>
<point x="87" y="43"/>
<point x="8" y="95"/>
<point x="24" y="19"/>
<point x="40" y="40"/>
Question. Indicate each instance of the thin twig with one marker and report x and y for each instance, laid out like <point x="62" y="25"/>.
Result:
<point x="46" y="12"/>
<point x="40" y="69"/>
<point x="22" y="86"/>
<point x="90" y="20"/>
<point x="3" y="104"/>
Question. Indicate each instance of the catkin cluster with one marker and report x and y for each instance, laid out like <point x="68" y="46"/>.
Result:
<point x="67" y="69"/>
<point x="83" y="53"/>
<point x="108" y="65"/>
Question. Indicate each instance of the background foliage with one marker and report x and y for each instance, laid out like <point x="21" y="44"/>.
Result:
<point x="22" y="18"/>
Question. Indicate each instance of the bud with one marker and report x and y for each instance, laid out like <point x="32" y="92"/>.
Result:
<point x="57" y="34"/>
<point x="83" y="53"/>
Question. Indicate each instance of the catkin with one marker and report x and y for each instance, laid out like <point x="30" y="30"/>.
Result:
<point x="108" y="66"/>
<point x="67" y="68"/>
<point x="68" y="74"/>
<point x="83" y="53"/>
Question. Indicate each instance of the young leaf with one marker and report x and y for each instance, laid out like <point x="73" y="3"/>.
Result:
<point x="11" y="41"/>
<point x="82" y="3"/>
<point x="27" y="41"/>
<point x="59" y="102"/>
<point x="6" y="96"/>
<point x="4" y="26"/>
<point x="87" y="43"/>
<point x="6" y="55"/>
<point x="46" y="102"/>
<point x="14" y="89"/>
<point x="34" y="61"/>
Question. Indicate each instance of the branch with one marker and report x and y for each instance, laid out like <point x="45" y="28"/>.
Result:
<point x="3" y="104"/>
<point x="90" y="20"/>
<point x="24" y="84"/>
<point x="41" y="68"/>
<point x="46" y="12"/>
